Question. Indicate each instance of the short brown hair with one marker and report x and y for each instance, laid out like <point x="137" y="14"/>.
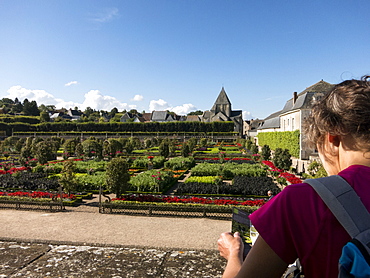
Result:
<point x="345" y="110"/>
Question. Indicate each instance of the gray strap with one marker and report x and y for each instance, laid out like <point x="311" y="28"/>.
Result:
<point x="343" y="202"/>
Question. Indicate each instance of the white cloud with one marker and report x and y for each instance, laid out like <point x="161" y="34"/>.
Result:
<point x="247" y="115"/>
<point x="94" y="99"/>
<point x="97" y="101"/>
<point x="183" y="109"/>
<point x="40" y="96"/>
<point x="137" y="98"/>
<point x="71" y="83"/>
<point x="161" y="105"/>
<point x="158" y="105"/>
<point x="105" y="16"/>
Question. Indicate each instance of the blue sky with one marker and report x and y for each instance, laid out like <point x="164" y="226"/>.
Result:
<point x="177" y="54"/>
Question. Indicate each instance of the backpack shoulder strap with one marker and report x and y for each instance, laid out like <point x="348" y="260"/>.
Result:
<point x="343" y="202"/>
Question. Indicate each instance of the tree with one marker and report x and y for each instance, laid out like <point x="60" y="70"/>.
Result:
<point x="44" y="117"/>
<point x="248" y="144"/>
<point x="117" y="176"/>
<point x="203" y="142"/>
<point x="133" y="111"/>
<point x="92" y="147"/>
<point x="198" y="112"/>
<point x="254" y="149"/>
<point x="113" y="112"/>
<point x="17" y="108"/>
<point x="111" y="147"/>
<point x="147" y="143"/>
<point x="69" y="147"/>
<point x="79" y="150"/>
<point x="129" y="147"/>
<point x="192" y="142"/>
<point x="164" y="149"/>
<point x="68" y="176"/>
<point x="43" y="151"/>
<point x="88" y="111"/>
<point x="135" y="141"/>
<point x="30" y="108"/>
<point x="185" y="150"/>
<point x="9" y="143"/>
<point x="172" y="147"/>
<point x="266" y="152"/>
<point x="282" y="159"/>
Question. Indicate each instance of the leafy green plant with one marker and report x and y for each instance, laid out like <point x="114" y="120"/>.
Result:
<point x="68" y="179"/>
<point x="282" y="159"/>
<point x="180" y="163"/>
<point x="204" y="179"/>
<point x="152" y="180"/>
<point x="117" y="176"/>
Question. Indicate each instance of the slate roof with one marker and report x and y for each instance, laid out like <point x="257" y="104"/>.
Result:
<point x="193" y="118"/>
<point x="272" y="121"/>
<point x="56" y="115"/>
<point x="73" y="112"/>
<point x="221" y="99"/>
<point x="159" y="116"/>
<point x="319" y="87"/>
<point x="236" y="113"/>
<point x="147" y="117"/>
<point x="306" y="98"/>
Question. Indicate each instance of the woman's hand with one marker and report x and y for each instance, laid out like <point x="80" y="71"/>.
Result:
<point x="231" y="245"/>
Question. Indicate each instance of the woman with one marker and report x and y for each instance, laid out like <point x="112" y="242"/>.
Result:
<point x="296" y="223"/>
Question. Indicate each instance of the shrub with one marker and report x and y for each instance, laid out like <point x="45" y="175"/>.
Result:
<point x="180" y="163"/>
<point x="117" y="176"/>
<point x="246" y="186"/>
<point x="28" y="181"/>
<point x="255" y="185"/>
<point x="90" y="182"/>
<point x="152" y="180"/>
<point x="228" y="170"/>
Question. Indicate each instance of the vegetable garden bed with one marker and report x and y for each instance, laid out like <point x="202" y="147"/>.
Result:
<point x="176" y="210"/>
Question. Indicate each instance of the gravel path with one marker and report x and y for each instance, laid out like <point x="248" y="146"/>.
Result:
<point x="83" y="224"/>
<point x="81" y="242"/>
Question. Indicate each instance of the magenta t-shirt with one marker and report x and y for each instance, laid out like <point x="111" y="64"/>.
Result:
<point x="296" y="223"/>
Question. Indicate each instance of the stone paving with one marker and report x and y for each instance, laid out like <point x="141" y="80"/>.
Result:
<point x="21" y="259"/>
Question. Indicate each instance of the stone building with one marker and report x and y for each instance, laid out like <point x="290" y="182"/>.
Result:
<point x="294" y="113"/>
<point x="222" y="111"/>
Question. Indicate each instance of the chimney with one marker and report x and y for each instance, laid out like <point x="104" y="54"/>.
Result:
<point x="295" y="96"/>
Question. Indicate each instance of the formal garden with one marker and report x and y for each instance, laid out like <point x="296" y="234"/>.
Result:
<point x="151" y="176"/>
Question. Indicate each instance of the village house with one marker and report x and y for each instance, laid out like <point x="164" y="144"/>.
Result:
<point x="294" y="113"/>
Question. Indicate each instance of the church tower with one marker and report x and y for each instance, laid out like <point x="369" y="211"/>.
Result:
<point x="222" y="104"/>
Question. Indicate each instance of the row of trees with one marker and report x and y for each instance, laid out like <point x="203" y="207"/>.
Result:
<point x="46" y="149"/>
<point x="30" y="108"/>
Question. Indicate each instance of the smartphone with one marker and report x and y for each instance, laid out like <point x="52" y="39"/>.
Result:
<point x="241" y="223"/>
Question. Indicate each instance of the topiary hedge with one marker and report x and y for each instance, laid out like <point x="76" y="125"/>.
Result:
<point x="281" y="139"/>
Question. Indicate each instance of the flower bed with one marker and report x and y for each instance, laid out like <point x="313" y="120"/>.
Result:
<point x="188" y="200"/>
<point x="150" y="205"/>
<point x="36" y="200"/>
<point x="292" y="179"/>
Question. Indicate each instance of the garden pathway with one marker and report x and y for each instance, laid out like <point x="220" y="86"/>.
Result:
<point x="172" y="190"/>
<point x="85" y="224"/>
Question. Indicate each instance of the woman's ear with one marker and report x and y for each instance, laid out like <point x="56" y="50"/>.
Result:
<point x="333" y="139"/>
